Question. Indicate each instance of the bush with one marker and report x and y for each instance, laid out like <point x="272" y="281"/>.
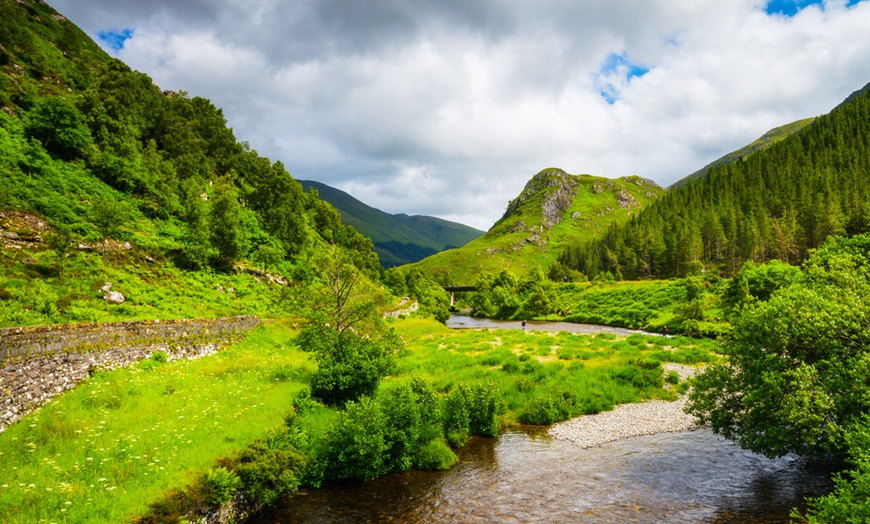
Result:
<point x="356" y="444"/>
<point x="270" y="467"/>
<point x="549" y="408"/>
<point x="456" y="416"/>
<point x="435" y="455"/>
<point x="349" y="368"/>
<point x="219" y="485"/>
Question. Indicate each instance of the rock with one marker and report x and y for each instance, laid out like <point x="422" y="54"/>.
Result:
<point x="149" y="259"/>
<point x="114" y="297"/>
<point x="106" y="287"/>
<point x="29" y="261"/>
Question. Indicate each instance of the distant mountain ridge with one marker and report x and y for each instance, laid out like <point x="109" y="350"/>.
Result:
<point x="554" y="209"/>
<point x="398" y="239"/>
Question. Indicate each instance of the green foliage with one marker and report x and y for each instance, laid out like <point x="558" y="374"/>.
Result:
<point x="797" y="363"/>
<point x="228" y="235"/>
<point x="435" y="455"/>
<point x="270" y="467"/>
<point x="849" y="502"/>
<point x="59" y="127"/>
<point x="357" y="444"/>
<point x="434" y="301"/>
<point x="548" y="408"/>
<point x="348" y="366"/>
<point x="219" y="485"/>
<point x="775" y="204"/>
<point x="759" y="281"/>
<point x="60" y="241"/>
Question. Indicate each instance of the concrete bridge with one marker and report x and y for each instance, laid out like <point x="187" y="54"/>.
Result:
<point x="457" y="289"/>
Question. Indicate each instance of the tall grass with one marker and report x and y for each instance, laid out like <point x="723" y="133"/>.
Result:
<point x="101" y="452"/>
<point x="529" y="365"/>
<point x="122" y="439"/>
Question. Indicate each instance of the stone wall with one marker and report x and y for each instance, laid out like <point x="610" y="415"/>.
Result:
<point x="22" y="343"/>
<point x="42" y="361"/>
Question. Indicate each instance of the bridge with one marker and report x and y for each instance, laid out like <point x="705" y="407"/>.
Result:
<point x="457" y="289"/>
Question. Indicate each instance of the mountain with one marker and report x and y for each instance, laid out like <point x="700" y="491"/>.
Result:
<point x="553" y="210"/>
<point x="106" y="177"/>
<point x="779" y="202"/>
<point x="765" y="141"/>
<point x="398" y="239"/>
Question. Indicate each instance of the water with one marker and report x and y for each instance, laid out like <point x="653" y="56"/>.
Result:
<point x="467" y="322"/>
<point x="524" y="476"/>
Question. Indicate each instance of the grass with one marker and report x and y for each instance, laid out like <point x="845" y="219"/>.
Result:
<point x="101" y="452"/>
<point x="124" y="438"/>
<point x="594" y="206"/>
<point x="641" y="304"/>
<point x="530" y="364"/>
<point x="32" y="294"/>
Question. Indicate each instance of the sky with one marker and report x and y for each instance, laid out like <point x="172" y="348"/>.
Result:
<point x="447" y="108"/>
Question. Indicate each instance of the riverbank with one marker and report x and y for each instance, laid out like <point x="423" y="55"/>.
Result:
<point x="630" y="420"/>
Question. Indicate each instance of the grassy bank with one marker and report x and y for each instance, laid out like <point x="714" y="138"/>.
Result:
<point x="124" y="438"/>
<point x="101" y="452"/>
<point x="543" y="374"/>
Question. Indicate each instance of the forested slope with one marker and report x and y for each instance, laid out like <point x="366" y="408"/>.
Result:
<point x="100" y="157"/>
<point x="774" y="204"/>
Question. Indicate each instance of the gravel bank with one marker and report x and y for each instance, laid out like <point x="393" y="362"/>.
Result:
<point x="629" y="420"/>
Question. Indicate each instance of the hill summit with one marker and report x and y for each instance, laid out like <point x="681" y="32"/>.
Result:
<point x="553" y="209"/>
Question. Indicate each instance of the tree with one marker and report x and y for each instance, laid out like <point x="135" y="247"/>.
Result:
<point x="62" y="243"/>
<point x="59" y="126"/>
<point x="108" y="215"/>
<point x="226" y="224"/>
<point x="799" y="363"/>
<point x="351" y="344"/>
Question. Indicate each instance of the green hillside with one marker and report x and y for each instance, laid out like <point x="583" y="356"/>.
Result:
<point x="765" y="141"/>
<point x="104" y="177"/>
<point x="553" y="210"/>
<point x="777" y="203"/>
<point x="398" y="239"/>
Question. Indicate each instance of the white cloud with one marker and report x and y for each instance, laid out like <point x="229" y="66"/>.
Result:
<point x="449" y="108"/>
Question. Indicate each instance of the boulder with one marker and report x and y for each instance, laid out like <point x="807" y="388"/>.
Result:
<point x="114" y="297"/>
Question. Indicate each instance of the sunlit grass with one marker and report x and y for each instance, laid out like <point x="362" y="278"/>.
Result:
<point x="101" y="452"/>
<point x="528" y="364"/>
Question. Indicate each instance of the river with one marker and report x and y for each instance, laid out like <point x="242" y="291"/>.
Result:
<point x="525" y="476"/>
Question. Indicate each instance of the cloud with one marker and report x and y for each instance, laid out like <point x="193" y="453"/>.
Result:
<point x="448" y="108"/>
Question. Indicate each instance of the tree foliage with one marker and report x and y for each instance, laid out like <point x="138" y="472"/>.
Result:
<point x="779" y="203"/>
<point x="798" y="367"/>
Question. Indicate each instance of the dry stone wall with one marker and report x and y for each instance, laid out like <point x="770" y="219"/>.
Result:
<point x="37" y="363"/>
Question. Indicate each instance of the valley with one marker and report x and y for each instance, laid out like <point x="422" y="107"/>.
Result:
<point x="192" y="334"/>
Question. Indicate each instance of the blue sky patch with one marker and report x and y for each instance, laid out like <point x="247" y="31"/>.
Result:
<point x="791" y="7"/>
<point x="619" y="66"/>
<point x="116" y="39"/>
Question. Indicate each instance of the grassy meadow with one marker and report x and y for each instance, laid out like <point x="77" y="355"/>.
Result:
<point x="124" y="438"/>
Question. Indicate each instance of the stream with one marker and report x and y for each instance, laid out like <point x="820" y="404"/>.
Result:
<point x="525" y="476"/>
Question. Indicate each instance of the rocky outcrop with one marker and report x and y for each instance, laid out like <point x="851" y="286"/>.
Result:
<point x="558" y="189"/>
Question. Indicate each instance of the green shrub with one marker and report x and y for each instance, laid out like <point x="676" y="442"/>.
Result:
<point x="672" y="378"/>
<point x="485" y="404"/>
<point x="218" y="486"/>
<point x="159" y="356"/>
<point x="403" y="426"/>
<point x="435" y="455"/>
<point x="548" y="408"/>
<point x="356" y="445"/>
<point x="348" y="368"/>
<point x="457" y="416"/>
<point x="270" y="467"/>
